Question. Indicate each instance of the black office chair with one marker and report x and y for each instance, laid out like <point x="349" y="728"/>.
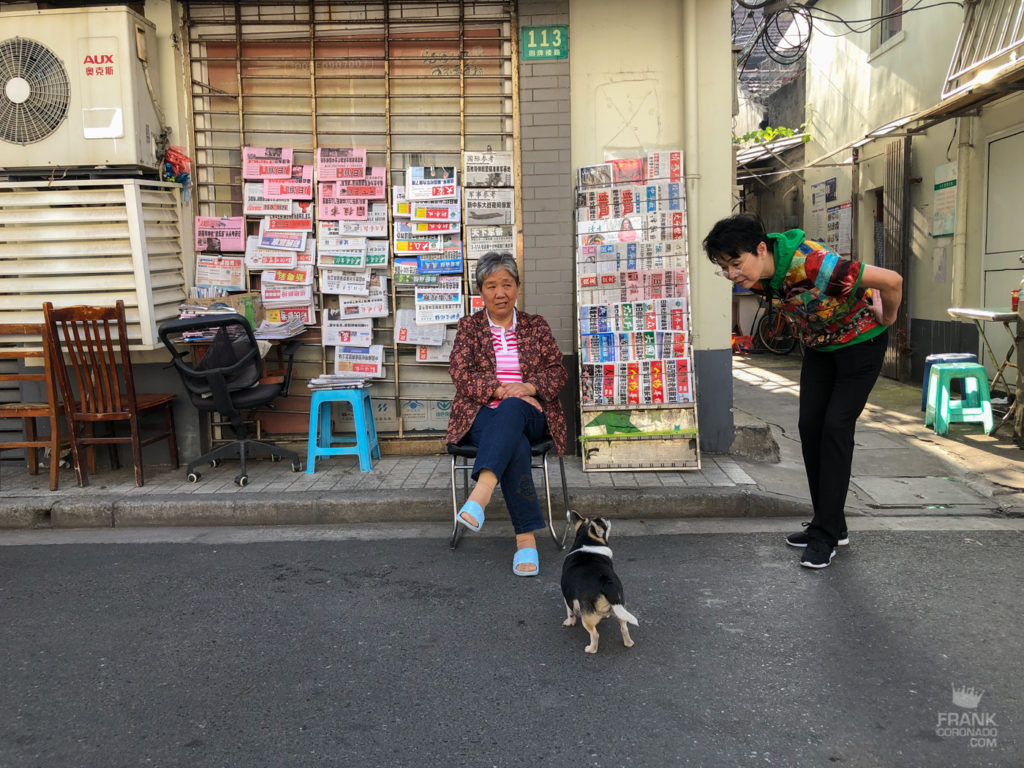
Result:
<point x="226" y="380"/>
<point x="462" y="461"/>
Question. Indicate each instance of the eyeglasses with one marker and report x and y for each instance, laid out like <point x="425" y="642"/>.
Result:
<point x="735" y="266"/>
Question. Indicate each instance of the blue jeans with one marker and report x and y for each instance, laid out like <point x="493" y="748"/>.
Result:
<point x="502" y="436"/>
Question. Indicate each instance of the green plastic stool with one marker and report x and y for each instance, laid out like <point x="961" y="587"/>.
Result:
<point x="943" y="410"/>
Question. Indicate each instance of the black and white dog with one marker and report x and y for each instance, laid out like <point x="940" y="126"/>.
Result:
<point x="590" y="587"/>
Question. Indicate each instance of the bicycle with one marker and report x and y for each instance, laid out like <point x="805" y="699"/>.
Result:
<point x="774" y="330"/>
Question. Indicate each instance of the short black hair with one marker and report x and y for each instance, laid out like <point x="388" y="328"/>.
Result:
<point x="734" y="235"/>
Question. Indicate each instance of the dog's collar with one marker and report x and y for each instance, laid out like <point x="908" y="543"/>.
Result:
<point x="606" y="551"/>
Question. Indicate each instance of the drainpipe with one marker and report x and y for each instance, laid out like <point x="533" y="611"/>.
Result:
<point x="958" y="272"/>
<point x="691" y="143"/>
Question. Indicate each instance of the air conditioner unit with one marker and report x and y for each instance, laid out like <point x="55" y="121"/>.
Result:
<point x="77" y="89"/>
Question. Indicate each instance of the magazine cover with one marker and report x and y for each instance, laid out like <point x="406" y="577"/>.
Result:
<point x="599" y="175"/>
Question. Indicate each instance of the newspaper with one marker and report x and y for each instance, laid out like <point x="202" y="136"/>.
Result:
<point x="285" y="330"/>
<point x="220" y="235"/>
<point x="340" y="163"/>
<point x="267" y="162"/>
<point x="345" y="282"/>
<point x="404" y="227"/>
<point x="360" y="361"/>
<point x="257" y="258"/>
<point x="435" y="212"/>
<point x="430" y="182"/>
<point x="255" y="203"/>
<point x="628" y="171"/>
<point x="628" y="347"/>
<point x="487" y="169"/>
<point x="304" y="313"/>
<point x="373" y="305"/>
<point x="434" y="354"/>
<point x="277" y="295"/>
<point x="369" y="187"/>
<point x="665" y="165"/>
<point x="298" y="186"/>
<point x="334" y="208"/>
<point x="295" y="276"/>
<point x="480" y="240"/>
<point x="282" y="241"/>
<point x="407" y="331"/>
<point x="490" y="205"/>
<point x="417" y="243"/>
<point x="440" y="304"/>
<point x="227" y="272"/>
<point x="340" y="332"/>
<point x="374" y="225"/>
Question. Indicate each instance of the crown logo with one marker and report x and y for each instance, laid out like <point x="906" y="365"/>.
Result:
<point x="968" y="698"/>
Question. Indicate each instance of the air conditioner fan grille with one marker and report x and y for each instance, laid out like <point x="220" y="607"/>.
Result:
<point x="34" y="91"/>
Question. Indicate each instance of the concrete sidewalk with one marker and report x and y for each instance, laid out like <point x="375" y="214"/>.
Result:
<point x="900" y="467"/>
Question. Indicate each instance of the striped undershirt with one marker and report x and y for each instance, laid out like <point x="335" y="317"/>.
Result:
<point x="506" y="354"/>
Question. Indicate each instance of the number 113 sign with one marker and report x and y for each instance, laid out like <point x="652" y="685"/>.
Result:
<point x="544" y="43"/>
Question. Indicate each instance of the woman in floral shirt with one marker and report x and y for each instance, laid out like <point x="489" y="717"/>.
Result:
<point x="508" y="373"/>
<point x="842" y="310"/>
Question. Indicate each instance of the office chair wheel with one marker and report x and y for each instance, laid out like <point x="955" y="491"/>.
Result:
<point x="296" y="466"/>
<point x="215" y="462"/>
<point x="193" y="477"/>
<point x="242" y="480"/>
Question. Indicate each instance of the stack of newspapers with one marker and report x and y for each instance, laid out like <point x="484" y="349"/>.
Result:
<point x="338" y="381"/>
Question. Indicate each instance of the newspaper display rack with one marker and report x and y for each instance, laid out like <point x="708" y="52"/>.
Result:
<point x="637" y="400"/>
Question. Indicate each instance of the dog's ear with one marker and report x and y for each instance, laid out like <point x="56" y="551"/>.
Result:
<point x="577" y="519"/>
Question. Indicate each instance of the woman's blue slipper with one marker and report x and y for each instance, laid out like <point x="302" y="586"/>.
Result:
<point x="527" y="555"/>
<point x="476" y="512"/>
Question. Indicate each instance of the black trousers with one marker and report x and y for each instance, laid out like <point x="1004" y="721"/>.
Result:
<point x="834" y="387"/>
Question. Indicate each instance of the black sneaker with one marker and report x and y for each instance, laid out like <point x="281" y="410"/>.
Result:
<point x="801" y="539"/>
<point x="817" y="554"/>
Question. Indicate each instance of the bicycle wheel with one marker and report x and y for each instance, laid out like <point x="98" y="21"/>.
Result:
<point x="776" y="333"/>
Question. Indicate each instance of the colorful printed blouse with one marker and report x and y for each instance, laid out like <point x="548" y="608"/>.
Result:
<point x="820" y="292"/>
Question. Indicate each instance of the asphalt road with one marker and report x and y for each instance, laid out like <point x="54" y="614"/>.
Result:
<point x="396" y="652"/>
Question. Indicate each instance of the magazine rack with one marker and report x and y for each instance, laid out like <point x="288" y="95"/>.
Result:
<point x="638" y="404"/>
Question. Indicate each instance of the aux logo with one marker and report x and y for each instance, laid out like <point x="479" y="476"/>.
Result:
<point x="103" y="58"/>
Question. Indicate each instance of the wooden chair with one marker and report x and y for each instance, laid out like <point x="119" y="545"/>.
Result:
<point x="95" y="340"/>
<point x="18" y="342"/>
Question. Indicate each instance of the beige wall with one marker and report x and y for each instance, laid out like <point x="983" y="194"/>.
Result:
<point x="628" y="73"/>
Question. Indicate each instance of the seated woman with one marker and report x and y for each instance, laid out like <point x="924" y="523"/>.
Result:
<point x="508" y="373"/>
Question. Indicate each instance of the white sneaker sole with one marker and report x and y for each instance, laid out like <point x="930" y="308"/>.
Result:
<point x="820" y="565"/>
<point x="841" y="543"/>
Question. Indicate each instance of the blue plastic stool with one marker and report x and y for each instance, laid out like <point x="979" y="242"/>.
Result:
<point x="943" y="357"/>
<point x="943" y="410"/>
<point x="323" y="443"/>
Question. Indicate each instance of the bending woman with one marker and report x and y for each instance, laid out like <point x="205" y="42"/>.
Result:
<point x="508" y="373"/>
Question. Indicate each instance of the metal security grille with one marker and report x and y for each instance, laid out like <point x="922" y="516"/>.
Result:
<point x="416" y="83"/>
<point x="895" y="250"/>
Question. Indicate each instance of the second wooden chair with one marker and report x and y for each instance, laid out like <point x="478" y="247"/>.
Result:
<point x="95" y="342"/>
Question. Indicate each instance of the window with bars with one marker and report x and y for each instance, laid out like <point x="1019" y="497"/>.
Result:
<point x="414" y="83"/>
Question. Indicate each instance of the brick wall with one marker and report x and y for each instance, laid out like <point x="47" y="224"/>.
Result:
<point x="549" y="265"/>
<point x="547" y="184"/>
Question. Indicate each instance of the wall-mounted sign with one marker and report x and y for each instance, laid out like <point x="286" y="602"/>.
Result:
<point x="539" y="43"/>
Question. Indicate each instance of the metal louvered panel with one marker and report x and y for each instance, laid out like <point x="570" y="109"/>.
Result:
<point x="92" y="242"/>
<point x="991" y="38"/>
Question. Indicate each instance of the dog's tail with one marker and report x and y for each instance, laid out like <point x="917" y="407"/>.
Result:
<point x="623" y="615"/>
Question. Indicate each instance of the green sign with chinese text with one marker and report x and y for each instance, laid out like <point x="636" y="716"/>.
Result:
<point x="539" y="43"/>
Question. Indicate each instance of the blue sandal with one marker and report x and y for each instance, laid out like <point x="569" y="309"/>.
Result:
<point x="476" y="511"/>
<point x="526" y="556"/>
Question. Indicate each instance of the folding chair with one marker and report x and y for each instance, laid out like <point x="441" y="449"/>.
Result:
<point x="462" y="461"/>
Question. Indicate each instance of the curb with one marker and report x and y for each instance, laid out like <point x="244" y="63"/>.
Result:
<point x="378" y="507"/>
